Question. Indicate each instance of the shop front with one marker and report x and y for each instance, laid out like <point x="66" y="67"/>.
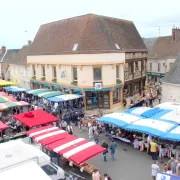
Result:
<point x="156" y="77"/>
<point x="35" y="84"/>
<point x="97" y="99"/>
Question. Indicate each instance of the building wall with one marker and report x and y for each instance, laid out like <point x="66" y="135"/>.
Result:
<point x="165" y="65"/>
<point x="19" y="74"/>
<point x="84" y="64"/>
<point x="170" y="92"/>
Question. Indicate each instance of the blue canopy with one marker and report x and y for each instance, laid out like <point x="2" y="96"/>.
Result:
<point x="151" y="126"/>
<point x="119" y="119"/>
<point x="151" y="112"/>
<point x="164" y="176"/>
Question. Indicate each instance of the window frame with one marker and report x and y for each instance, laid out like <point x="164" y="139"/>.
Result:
<point x="43" y="70"/>
<point x="74" y="79"/>
<point x="34" y="69"/>
<point x="159" y="67"/>
<point x="54" y="71"/>
<point x="94" y="79"/>
<point x="117" y="73"/>
<point x="150" y="66"/>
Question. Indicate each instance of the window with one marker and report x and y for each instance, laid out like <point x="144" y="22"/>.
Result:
<point x="34" y="70"/>
<point x="97" y="74"/>
<point x="117" y="46"/>
<point x="75" y="78"/>
<point x="43" y="71"/>
<point x="54" y="72"/>
<point x="150" y="66"/>
<point x="136" y="65"/>
<point x="170" y="65"/>
<point x="117" y="72"/>
<point x="75" y="47"/>
<point x="116" y="96"/>
<point x="159" y="67"/>
<point x="130" y="68"/>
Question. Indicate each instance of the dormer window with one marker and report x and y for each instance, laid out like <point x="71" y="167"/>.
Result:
<point x="75" y="47"/>
<point x="117" y="46"/>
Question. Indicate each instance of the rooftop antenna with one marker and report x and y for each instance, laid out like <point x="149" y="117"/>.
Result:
<point x="159" y="31"/>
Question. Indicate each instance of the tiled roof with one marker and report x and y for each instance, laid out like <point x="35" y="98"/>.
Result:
<point x="86" y="34"/>
<point x="173" y="76"/>
<point x="164" y="47"/>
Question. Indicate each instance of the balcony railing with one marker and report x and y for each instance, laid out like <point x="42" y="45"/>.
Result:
<point x="128" y="76"/>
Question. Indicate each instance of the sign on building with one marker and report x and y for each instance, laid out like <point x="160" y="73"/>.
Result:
<point x="63" y="74"/>
<point x="98" y="86"/>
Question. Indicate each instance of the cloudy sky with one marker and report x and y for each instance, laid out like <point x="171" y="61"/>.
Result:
<point x="20" y="19"/>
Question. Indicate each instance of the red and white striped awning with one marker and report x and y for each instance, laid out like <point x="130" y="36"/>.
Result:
<point x="47" y="135"/>
<point x="71" y="147"/>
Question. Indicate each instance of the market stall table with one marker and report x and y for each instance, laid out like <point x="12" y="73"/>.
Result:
<point x="35" y="118"/>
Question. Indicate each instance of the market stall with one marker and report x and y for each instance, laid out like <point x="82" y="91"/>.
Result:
<point x="168" y="105"/>
<point x="48" y="134"/>
<point x="119" y="119"/>
<point x="3" y="94"/>
<point x="165" y="176"/>
<point x="173" y="135"/>
<point x="4" y="99"/>
<point x="35" y="118"/>
<point x="75" y="150"/>
<point x="6" y="83"/>
<point x="3" y="126"/>
<point x="50" y="94"/>
<point x="7" y="105"/>
<point x="65" y="97"/>
<point x="144" y="112"/>
<point x="38" y="91"/>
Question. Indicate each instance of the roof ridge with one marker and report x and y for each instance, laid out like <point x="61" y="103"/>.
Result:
<point x="90" y="14"/>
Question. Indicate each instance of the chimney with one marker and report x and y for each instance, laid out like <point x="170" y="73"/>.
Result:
<point x="3" y="49"/>
<point x="175" y="34"/>
<point x="29" y="43"/>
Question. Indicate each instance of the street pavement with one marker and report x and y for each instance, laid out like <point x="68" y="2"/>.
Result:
<point x="130" y="164"/>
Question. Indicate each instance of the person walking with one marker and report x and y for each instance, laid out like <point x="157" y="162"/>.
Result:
<point x="95" y="175"/>
<point x="63" y="125"/>
<point x="153" y="150"/>
<point x="106" y="146"/>
<point x="69" y="129"/>
<point x="96" y="136"/>
<point x="113" y="147"/>
<point x="155" y="168"/>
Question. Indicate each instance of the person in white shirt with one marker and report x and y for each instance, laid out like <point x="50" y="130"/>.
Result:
<point x="155" y="168"/>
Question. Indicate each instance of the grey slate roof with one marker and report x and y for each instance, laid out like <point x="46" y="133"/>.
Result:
<point x="173" y="76"/>
<point x="149" y="42"/>
<point x="10" y="56"/>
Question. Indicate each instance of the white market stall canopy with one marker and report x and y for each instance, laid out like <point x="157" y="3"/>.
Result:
<point x="65" y="97"/>
<point x="168" y="105"/>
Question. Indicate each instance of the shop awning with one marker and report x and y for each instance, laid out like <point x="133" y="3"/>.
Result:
<point x="35" y="81"/>
<point x="94" y="90"/>
<point x="6" y="105"/>
<point x="47" y="135"/>
<point x="118" y="86"/>
<point x="3" y="126"/>
<point x="119" y="119"/>
<point x="151" y="126"/>
<point x="50" y="94"/>
<point x="7" y="83"/>
<point x="39" y="91"/>
<point x="65" y="97"/>
<point x="35" y="118"/>
<point x="75" y="149"/>
<point x="57" y="86"/>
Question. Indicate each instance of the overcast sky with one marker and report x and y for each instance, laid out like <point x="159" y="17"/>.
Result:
<point x="20" y="19"/>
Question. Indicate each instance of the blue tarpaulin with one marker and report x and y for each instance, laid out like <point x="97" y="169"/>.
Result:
<point x="163" y="176"/>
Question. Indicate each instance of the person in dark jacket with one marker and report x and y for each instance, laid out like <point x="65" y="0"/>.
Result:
<point x="106" y="146"/>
